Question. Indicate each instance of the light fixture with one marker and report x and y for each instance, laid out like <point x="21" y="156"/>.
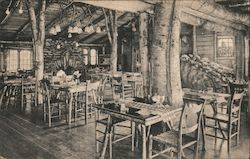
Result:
<point x="76" y="44"/>
<point x="87" y="29"/>
<point x="53" y="31"/>
<point x="20" y="11"/>
<point x="98" y="29"/>
<point x="69" y="35"/>
<point x="91" y="29"/>
<point x="7" y="11"/>
<point x="58" y="28"/>
<point x="8" y="8"/>
<point x="58" y="46"/>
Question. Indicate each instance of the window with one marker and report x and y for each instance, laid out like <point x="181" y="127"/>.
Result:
<point x="225" y="46"/>
<point x="85" y="56"/>
<point x="18" y="59"/>
<point x="90" y="56"/>
<point x="25" y="60"/>
<point x="12" y="60"/>
<point x="93" y="57"/>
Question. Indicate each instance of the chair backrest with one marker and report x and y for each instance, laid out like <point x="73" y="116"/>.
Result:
<point x="236" y="88"/>
<point x="28" y="86"/>
<point x="235" y="105"/>
<point x="191" y="115"/>
<point x="49" y="95"/>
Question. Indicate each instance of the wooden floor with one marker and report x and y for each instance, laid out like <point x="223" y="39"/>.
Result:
<point x="22" y="139"/>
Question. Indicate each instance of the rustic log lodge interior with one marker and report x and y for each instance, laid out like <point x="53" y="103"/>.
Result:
<point x="124" y="79"/>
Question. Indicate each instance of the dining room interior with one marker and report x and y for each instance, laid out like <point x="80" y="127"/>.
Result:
<point x="87" y="79"/>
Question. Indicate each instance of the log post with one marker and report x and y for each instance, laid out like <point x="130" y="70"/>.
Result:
<point x="166" y="53"/>
<point x="174" y="78"/>
<point x="159" y="46"/>
<point x="239" y="44"/>
<point x="38" y="32"/>
<point x="114" y="41"/>
<point x="143" y="47"/>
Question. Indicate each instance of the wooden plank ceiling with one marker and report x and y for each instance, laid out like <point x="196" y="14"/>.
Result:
<point x="241" y="6"/>
<point x="16" y="27"/>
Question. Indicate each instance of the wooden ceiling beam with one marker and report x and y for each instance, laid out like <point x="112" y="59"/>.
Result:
<point x="121" y="5"/>
<point x="245" y="4"/>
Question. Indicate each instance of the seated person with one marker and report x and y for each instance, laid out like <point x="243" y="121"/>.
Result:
<point x="60" y="73"/>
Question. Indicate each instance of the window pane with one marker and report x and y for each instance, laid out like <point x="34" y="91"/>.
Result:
<point x="85" y="56"/>
<point x="12" y="60"/>
<point x="93" y="56"/>
<point x="25" y="60"/>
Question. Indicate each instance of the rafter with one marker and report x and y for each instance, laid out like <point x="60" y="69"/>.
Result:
<point x="12" y="10"/>
<point x="52" y="22"/>
<point x="25" y="25"/>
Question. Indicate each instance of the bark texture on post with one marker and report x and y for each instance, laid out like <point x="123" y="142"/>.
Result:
<point x="175" y="90"/>
<point x="239" y="46"/>
<point x="166" y="53"/>
<point x="114" y="41"/>
<point x="143" y="46"/>
<point x="38" y="32"/>
<point x="159" y="47"/>
<point x="111" y="26"/>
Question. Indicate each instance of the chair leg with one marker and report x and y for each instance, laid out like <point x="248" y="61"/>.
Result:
<point x="110" y="144"/>
<point x="49" y="112"/>
<point x="179" y="154"/>
<point x="238" y="132"/>
<point x="133" y="136"/>
<point x="229" y="137"/>
<point x="150" y="146"/>
<point x="44" y="113"/>
<point x="196" y="150"/>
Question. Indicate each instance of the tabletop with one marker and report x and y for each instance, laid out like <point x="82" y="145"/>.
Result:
<point x="142" y="113"/>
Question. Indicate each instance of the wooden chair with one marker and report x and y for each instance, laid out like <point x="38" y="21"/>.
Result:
<point x="83" y="101"/>
<point x="186" y="134"/>
<point x="102" y="132"/>
<point x="53" y="104"/>
<point x="27" y="93"/>
<point x="230" y="119"/>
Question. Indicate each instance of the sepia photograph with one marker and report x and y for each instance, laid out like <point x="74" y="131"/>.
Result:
<point x="124" y="79"/>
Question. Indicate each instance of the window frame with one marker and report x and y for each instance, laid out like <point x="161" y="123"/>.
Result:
<point x="6" y="54"/>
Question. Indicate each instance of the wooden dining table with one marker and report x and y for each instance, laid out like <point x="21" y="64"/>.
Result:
<point x="70" y="89"/>
<point x="145" y="115"/>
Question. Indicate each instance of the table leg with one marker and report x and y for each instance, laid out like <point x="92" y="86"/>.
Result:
<point x="70" y="108"/>
<point x="106" y="138"/>
<point x="203" y="132"/>
<point x="2" y="95"/>
<point x="144" y="145"/>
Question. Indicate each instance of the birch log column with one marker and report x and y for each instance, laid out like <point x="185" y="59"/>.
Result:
<point x="166" y="53"/>
<point x="143" y="46"/>
<point x="38" y="32"/>
<point x="111" y="27"/>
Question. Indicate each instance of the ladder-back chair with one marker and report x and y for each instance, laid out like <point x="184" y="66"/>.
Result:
<point x="182" y="136"/>
<point x="230" y="119"/>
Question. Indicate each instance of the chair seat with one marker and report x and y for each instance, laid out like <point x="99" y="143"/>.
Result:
<point x="171" y="138"/>
<point x="221" y="117"/>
